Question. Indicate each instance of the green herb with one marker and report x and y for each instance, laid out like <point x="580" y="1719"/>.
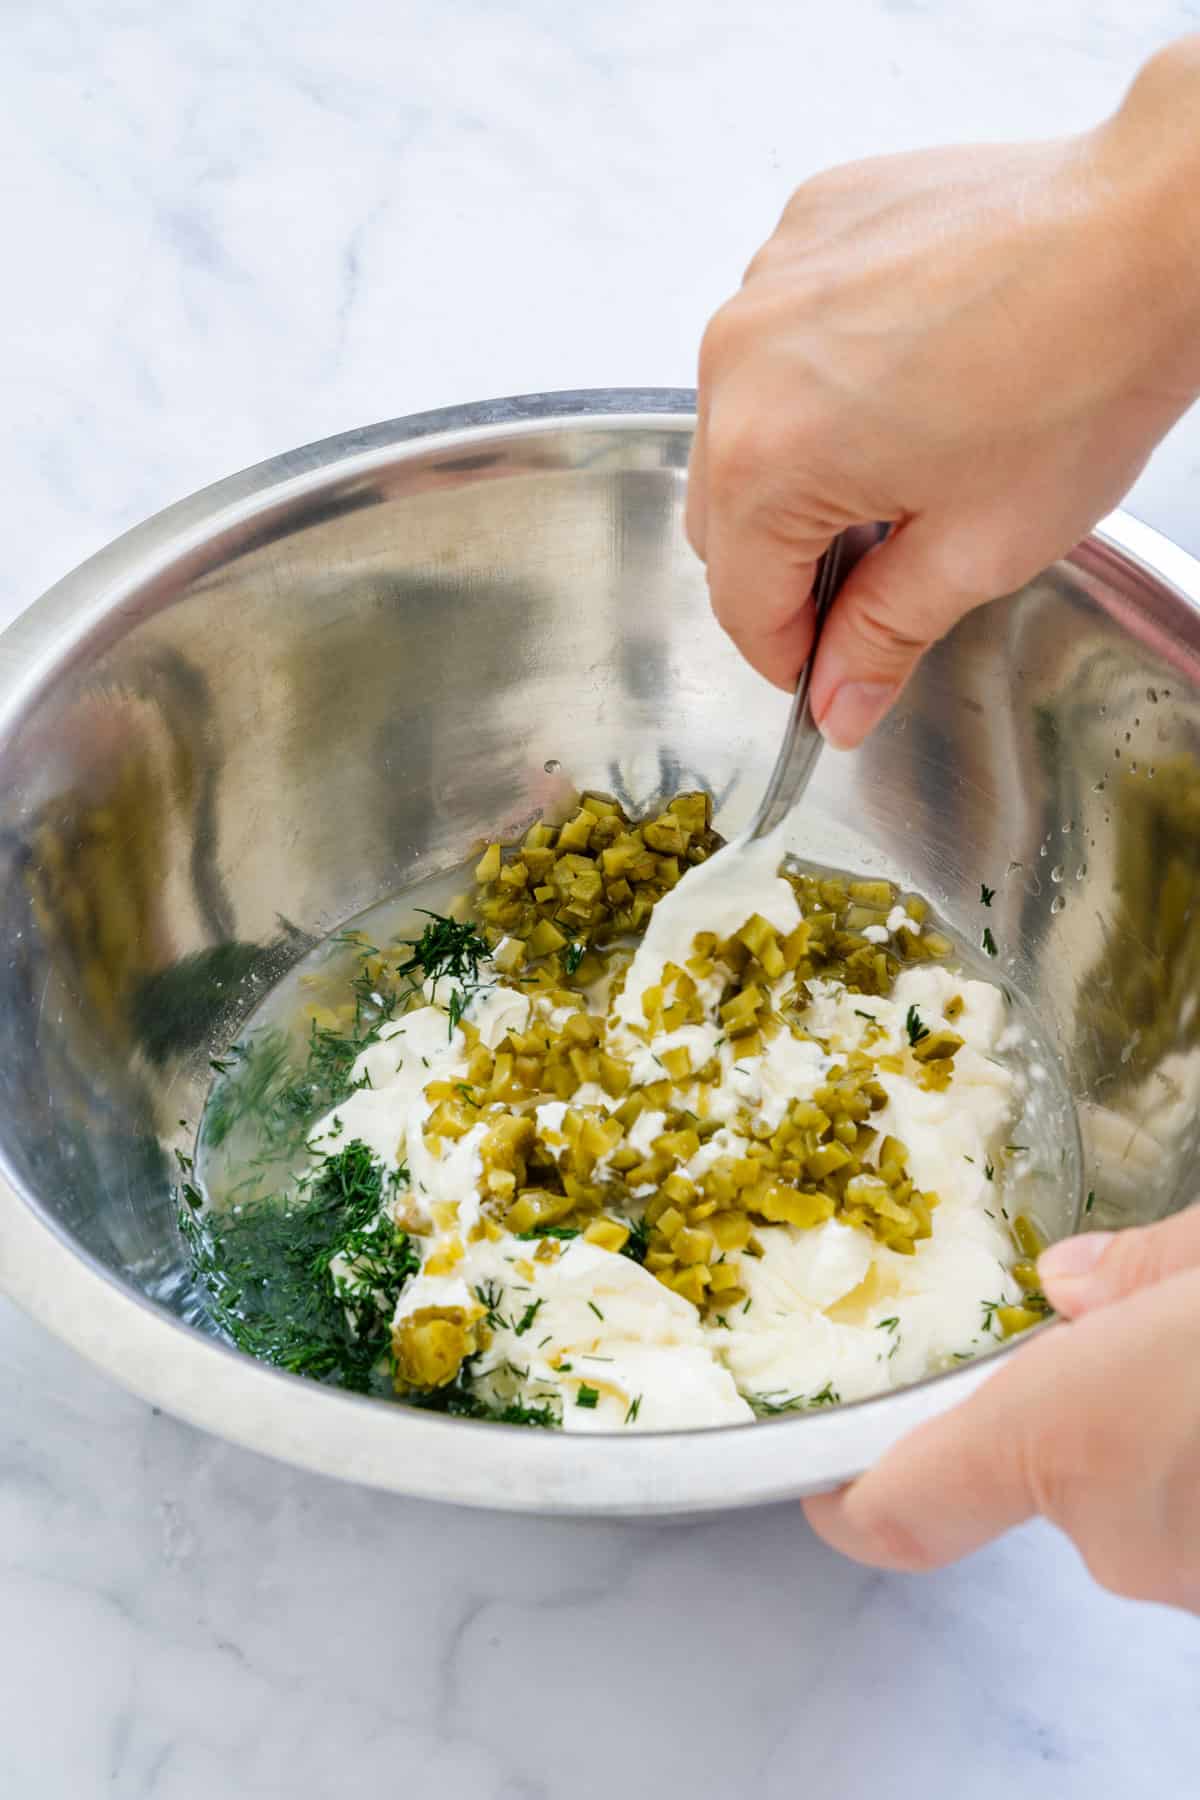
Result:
<point x="722" y="1320"/>
<point x="552" y="1231"/>
<point x="874" y="1017"/>
<point x="564" y="1368"/>
<point x="638" y="1241"/>
<point x="489" y="1295"/>
<point x="527" y="1317"/>
<point x="1015" y="1149"/>
<point x="1090" y="1201"/>
<point x="989" y="1171"/>
<point x="572" y="956"/>
<point x="261" y="1087"/>
<point x="221" y="1065"/>
<point x="989" y="942"/>
<point x="448" y="950"/>
<point x="587" y="1396"/>
<point x="633" y="1409"/>
<point x="594" y="1308"/>
<point x="915" y="1029"/>
<point x="463" y="1403"/>
<point x="185" y="1162"/>
<point x="747" y="1306"/>
<point x="990" y="1308"/>
<point x="887" y="1324"/>
<point x="768" y="1404"/>
<point x="465" y="1090"/>
<point x="267" y="1270"/>
<point x="986" y="894"/>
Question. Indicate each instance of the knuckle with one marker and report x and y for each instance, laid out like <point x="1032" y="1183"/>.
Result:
<point x="721" y="342"/>
<point x="889" y="633"/>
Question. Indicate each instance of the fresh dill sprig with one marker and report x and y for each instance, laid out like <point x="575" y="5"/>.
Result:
<point x="462" y="1402"/>
<point x="527" y="1317"/>
<point x="271" y="1287"/>
<point x="986" y="894"/>
<point x="638" y="1241"/>
<point x="915" y="1028"/>
<point x="990" y="1309"/>
<point x="767" y="1405"/>
<point x="489" y="1295"/>
<point x="448" y="950"/>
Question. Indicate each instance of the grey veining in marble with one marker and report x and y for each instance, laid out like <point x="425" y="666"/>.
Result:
<point x="234" y="228"/>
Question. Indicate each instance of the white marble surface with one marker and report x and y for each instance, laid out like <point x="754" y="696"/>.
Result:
<point x="236" y="227"/>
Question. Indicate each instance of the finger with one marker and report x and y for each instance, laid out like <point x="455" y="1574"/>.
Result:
<point x="951" y="1486"/>
<point x="896" y="602"/>
<point x="1098" y="1267"/>
<point x="1093" y="1425"/>
<point x="761" y="589"/>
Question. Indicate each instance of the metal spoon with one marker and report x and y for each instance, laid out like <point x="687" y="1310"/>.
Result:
<point x="801" y="739"/>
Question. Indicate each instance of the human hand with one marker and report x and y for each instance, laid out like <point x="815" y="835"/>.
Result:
<point x="1095" y="1425"/>
<point x="980" y="346"/>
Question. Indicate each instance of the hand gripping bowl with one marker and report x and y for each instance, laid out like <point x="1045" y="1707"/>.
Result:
<point x="325" y="679"/>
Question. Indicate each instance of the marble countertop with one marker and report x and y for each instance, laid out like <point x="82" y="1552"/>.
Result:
<point x="235" y="228"/>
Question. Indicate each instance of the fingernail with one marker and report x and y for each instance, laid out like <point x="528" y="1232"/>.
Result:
<point x="856" y="708"/>
<point x="1075" y="1257"/>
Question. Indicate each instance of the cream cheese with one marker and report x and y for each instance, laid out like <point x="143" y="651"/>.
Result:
<point x="822" y="1314"/>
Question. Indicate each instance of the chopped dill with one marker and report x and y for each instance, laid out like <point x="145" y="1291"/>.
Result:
<point x="551" y="1231"/>
<point x="914" y="1027"/>
<point x="572" y="956"/>
<point x="464" y="1403"/>
<point x="989" y="942"/>
<point x="1090" y="1201"/>
<point x="592" y="1307"/>
<point x="989" y="1171"/>
<point x="489" y="1295"/>
<point x="633" y="1409"/>
<point x="271" y="1287"/>
<point x="527" y="1317"/>
<point x="638" y="1241"/>
<point x="990" y="1309"/>
<point x="986" y="894"/>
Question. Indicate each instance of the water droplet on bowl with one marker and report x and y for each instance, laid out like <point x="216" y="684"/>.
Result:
<point x="552" y="765"/>
<point x="1057" y="872"/>
<point x="1081" y="872"/>
<point x="1058" y="903"/>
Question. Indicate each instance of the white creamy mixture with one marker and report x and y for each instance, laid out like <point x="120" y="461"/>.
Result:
<point x="824" y="1313"/>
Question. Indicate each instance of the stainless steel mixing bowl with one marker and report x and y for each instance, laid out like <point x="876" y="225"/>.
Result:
<point x="325" y="678"/>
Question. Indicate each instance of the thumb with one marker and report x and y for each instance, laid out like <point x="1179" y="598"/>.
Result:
<point x="1083" y="1273"/>
<point x="897" y="601"/>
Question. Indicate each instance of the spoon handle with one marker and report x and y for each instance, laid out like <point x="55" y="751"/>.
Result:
<point x="801" y="739"/>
